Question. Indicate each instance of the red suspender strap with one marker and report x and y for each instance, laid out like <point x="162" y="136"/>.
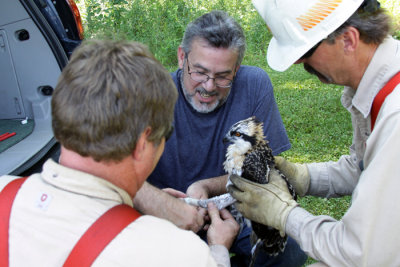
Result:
<point x="89" y="246"/>
<point x="97" y="237"/>
<point x="7" y="197"/>
<point x="380" y="97"/>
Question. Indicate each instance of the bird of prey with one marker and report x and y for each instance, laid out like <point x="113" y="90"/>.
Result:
<point x="250" y="157"/>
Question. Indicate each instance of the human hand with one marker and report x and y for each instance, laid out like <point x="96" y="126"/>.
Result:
<point x="268" y="204"/>
<point x="174" y="192"/>
<point x="153" y="201"/>
<point x="197" y="191"/>
<point x="192" y="218"/>
<point x="186" y="216"/>
<point x="223" y="228"/>
<point x="189" y="217"/>
<point x="297" y="174"/>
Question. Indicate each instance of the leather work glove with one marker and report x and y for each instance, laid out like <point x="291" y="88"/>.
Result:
<point x="268" y="204"/>
<point x="297" y="174"/>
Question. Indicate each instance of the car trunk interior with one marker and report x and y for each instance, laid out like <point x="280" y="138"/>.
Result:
<point x="29" y="71"/>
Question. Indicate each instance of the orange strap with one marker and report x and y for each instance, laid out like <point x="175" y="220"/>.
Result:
<point x="102" y="232"/>
<point x="89" y="246"/>
<point x="381" y="96"/>
<point x="7" y="197"/>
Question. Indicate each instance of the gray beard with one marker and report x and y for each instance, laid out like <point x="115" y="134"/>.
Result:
<point x="200" y="107"/>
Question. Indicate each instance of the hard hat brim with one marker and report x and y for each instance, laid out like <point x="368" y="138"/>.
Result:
<point x="290" y="41"/>
<point x="280" y="58"/>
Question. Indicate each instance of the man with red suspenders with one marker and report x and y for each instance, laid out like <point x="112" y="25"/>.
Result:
<point x="344" y="42"/>
<point x="112" y="111"/>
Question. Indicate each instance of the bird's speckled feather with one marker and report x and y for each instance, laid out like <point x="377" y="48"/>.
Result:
<point x="250" y="156"/>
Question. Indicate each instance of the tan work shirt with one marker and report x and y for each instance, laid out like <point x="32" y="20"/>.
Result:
<point x="368" y="234"/>
<point x="53" y="209"/>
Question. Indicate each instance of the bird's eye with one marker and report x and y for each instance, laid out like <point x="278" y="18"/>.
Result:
<point x="237" y="134"/>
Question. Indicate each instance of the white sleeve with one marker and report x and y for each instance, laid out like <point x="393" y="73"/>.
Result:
<point x="221" y="255"/>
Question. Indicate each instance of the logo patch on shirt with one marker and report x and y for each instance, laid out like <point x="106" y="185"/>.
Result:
<point x="43" y="201"/>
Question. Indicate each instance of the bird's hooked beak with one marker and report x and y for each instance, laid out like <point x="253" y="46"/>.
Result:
<point x="227" y="138"/>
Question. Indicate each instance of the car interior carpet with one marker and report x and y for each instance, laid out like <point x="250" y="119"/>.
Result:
<point x="21" y="128"/>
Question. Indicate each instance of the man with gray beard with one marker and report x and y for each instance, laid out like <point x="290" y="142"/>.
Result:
<point x="215" y="91"/>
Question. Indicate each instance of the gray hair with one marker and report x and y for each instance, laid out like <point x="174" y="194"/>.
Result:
<point x="370" y="20"/>
<point x="219" y="30"/>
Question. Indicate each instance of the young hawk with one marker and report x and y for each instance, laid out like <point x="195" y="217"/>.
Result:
<point x="249" y="156"/>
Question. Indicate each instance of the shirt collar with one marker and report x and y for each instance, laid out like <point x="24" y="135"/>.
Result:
<point x="83" y="183"/>
<point x="377" y="74"/>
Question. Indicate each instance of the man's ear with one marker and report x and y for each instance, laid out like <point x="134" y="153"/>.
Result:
<point x="141" y="145"/>
<point x="351" y="39"/>
<point x="181" y="57"/>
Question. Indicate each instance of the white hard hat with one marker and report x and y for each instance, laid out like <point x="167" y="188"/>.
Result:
<point x="298" y="25"/>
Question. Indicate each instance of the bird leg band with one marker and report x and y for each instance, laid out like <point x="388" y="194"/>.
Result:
<point x="221" y="201"/>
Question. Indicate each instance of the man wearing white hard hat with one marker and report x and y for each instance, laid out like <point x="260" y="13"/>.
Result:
<point x="343" y="42"/>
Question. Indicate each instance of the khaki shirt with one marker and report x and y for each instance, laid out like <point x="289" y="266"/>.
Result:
<point x="53" y="209"/>
<point x="368" y="234"/>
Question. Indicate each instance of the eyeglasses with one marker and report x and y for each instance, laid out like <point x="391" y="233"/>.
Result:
<point x="201" y="77"/>
<point x="310" y="52"/>
<point x="168" y="134"/>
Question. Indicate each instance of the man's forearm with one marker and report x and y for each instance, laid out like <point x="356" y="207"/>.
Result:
<point x="150" y="200"/>
<point x="214" y="186"/>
